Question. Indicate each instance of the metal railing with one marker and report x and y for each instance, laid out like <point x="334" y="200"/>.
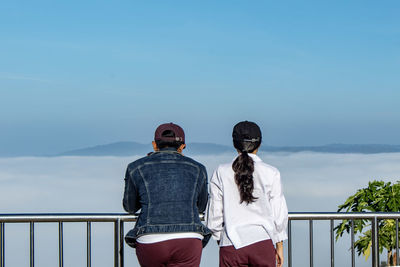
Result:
<point x="332" y="216"/>
<point x="32" y="219"/>
<point x="119" y="219"/>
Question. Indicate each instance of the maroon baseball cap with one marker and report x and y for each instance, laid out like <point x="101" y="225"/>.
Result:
<point x="176" y="133"/>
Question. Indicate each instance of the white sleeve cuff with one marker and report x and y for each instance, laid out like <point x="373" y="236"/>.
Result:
<point x="280" y="237"/>
<point x="216" y="235"/>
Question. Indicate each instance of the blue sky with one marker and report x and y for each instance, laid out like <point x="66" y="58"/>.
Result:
<point x="82" y="73"/>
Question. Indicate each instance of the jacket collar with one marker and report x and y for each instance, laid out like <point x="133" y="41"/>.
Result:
<point x="167" y="150"/>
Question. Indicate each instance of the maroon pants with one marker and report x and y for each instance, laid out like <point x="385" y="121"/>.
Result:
<point x="176" y="252"/>
<point x="260" y="254"/>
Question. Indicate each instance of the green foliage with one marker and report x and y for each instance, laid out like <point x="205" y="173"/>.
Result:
<point x="377" y="197"/>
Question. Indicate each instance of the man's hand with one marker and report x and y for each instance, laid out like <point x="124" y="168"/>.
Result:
<point x="279" y="254"/>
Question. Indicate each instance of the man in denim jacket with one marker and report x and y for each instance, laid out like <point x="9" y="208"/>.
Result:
<point x="170" y="190"/>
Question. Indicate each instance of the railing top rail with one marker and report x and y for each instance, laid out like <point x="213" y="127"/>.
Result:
<point x="342" y="215"/>
<point x="67" y="217"/>
<point x="112" y="217"/>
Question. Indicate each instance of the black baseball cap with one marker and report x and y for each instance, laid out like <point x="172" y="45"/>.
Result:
<point x="246" y="131"/>
<point x="178" y="134"/>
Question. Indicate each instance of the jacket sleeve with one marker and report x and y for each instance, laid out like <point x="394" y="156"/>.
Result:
<point x="214" y="215"/>
<point x="131" y="199"/>
<point x="279" y="208"/>
<point x="203" y="192"/>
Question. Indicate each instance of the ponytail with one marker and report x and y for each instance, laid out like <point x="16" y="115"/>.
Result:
<point x="243" y="166"/>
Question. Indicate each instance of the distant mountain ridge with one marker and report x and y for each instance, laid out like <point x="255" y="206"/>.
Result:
<point x="133" y="148"/>
<point x="338" y="148"/>
<point x="113" y="149"/>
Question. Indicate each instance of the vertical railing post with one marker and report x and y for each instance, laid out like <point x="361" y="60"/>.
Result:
<point x="290" y="243"/>
<point x="88" y="244"/>
<point x="375" y="242"/>
<point x="32" y="244"/>
<point x="397" y="242"/>
<point x="353" y="258"/>
<point x="332" y="244"/>
<point x="311" y="244"/>
<point x="117" y="236"/>
<point x="121" y="243"/>
<point x="60" y="245"/>
<point x="2" y="248"/>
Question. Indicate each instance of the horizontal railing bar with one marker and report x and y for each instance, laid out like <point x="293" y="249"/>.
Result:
<point x="342" y="215"/>
<point x="112" y="217"/>
<point x="66" y="217"/>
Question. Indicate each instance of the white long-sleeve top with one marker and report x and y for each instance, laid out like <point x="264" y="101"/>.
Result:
<point x="242" y="224"/>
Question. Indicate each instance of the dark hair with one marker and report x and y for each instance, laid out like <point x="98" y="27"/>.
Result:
<point x="170" y="143"/>
<point x="243" y="166"/>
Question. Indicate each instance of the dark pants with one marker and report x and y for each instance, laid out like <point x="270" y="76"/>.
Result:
<point x="176" y="252"/>
<point x="260" y="254"/>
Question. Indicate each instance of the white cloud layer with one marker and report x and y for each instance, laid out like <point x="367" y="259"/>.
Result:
<point x="312" y="182"/>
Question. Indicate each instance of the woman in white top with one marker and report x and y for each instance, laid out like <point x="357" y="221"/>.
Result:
<point x="247" y="211"/>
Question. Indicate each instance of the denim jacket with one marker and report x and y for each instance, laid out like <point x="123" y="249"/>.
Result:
<point x="170" y="190"/>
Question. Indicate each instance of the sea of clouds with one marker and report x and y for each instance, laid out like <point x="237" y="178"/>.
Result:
<point x="312" y="182"/>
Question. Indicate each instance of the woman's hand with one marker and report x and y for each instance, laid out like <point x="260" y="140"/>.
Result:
<point x="279" y="254"/>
